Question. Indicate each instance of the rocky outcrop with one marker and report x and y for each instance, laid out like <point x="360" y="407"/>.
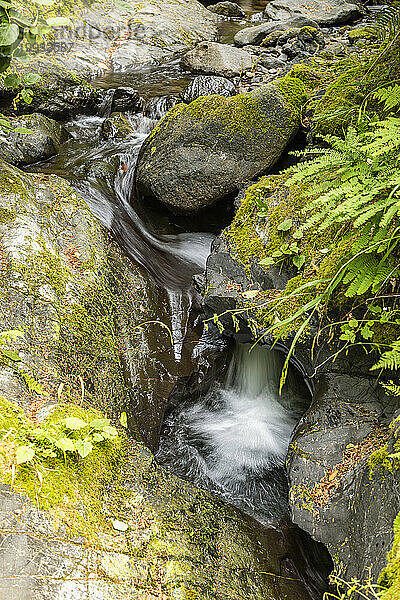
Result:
<point x="202" y="152"/>
<point x="340" y="486"/>
<point x="343" y="483"/>
<point x="207" y="85"/>
<point x="255" y="35"/>
<point x="217" y="59"/>
<point x="113" y="524"/>
<point x="227" y="9"/>
<point x="30" y="139"/>
<point x="325" y="12"/>
<point x="116" y="38"/>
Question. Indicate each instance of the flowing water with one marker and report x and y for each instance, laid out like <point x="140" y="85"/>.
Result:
<point x="232" y="440"/>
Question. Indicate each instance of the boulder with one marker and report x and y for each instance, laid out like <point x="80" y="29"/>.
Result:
<point x="31" y="139"/>
<point x="125" y="99"/>
<point x="203" y="151"/>
<point x="207" y="85"/>
<point x="217" y="59"/>
<point x="255" y="35"/>
<point x="117" y="125"/>
<point x="341" y="492"/>
<point x="227" y="9"/>
<point x="324" y="12"/>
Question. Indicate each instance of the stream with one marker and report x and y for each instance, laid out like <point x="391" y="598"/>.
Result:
<point x="234" y="438"/>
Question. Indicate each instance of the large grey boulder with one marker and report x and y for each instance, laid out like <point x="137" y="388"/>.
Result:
<point x="217" y="59"/>
<point x="203" y="151"/>
<point x="30" y="139"/>
<point x="207" y="85"/>
<point x="227" y="9"/>
<point x="325" y="12"/>
<point x="255" y="35"/>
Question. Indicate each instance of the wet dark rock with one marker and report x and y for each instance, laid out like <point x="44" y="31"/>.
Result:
<point x="126" y="99"/>
<point x="61" y="102"/>
<point x="203" y="151"/>
<point x="207" y="85"/>
<point x="350" y="511"/>
<point x="325" y="12"/>
<point x="217" y="59"/>
<point x="302" y="42"/>
<point x="255" y="35"/>
<point x="40" y="142"/>
<point x="227" y="9"/>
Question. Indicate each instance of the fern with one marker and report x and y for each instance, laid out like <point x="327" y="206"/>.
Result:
<point x="386" y="24"/>
<point x="390" y="359"/>
<point x="388" y="96"/>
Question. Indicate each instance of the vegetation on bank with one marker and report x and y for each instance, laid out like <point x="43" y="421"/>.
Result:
<point x="331" y="224"/>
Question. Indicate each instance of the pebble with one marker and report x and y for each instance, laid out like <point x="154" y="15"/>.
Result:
<point x="120" y="526"/>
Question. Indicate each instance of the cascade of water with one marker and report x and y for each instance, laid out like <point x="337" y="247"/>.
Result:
<point x="234" y="441"/>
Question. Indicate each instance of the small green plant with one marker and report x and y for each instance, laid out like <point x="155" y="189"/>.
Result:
<point x="23" y="24"/>
<point x="353" y="589"/>
<point x="67" y="437"/>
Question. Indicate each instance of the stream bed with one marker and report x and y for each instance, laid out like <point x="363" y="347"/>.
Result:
<point x="233" y="439"/>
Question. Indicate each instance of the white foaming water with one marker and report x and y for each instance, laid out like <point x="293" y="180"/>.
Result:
<point x="234" y="440"/>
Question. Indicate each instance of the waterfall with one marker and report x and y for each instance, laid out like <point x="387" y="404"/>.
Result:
<point x="234" y="440"/>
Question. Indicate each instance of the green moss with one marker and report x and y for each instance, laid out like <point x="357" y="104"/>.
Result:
<point x="362" y="33"/>
<point x="307" y="74"/>
<point x="294" y="92"/>
<point x="64" y="484"/>
<point x="390" y="576"/>
<point x="7" y="215"/>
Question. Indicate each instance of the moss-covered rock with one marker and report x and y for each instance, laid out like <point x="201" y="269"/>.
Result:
<point x="117" y="125"/>
<point x="30" y="139"/>
<point x="202" y="152"/>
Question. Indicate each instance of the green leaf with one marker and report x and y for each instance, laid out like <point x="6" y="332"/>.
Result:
<point x="74" y="423"/>
<point x="11" y="355"/>
<point x="20" y="19"/>
<point x="44" y="2"/>
<point x="24" y="454"/>
<point x="23" y="130"/>
<point x="99" y="423"/>
<point x="27" y="96"/>
<point x="297" y="235"/>
<point x="58" y="21"/>
<point x="299" y="260"/>
<point x="286" y="225"/>
<point x="9" y="33"/>
<point x="21" y="55"/>
<point x="267" y="262"/>
<point x="97" y="437"/>
<point x="12" y="80"/>
<point x="277" y="254"/>
<point x="123" y="419"/>
<point x="353" y="323"/>
<point x="31" y="78"/>
<point x="83" y="448"/>
<point x="5" y="123"/>
<point x="65" y="444"/>
<point x="109" y="431"/>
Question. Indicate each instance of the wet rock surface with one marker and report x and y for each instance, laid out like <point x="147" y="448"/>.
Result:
<point x="325" y="12"/>
<point x="255" y="35"/>
<point x="31" y="138"/>
<point x="201" y="152"/>
<point x="227" y="9"/>
<point x="207" y="86"/>
<point x="217" y="59"/>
